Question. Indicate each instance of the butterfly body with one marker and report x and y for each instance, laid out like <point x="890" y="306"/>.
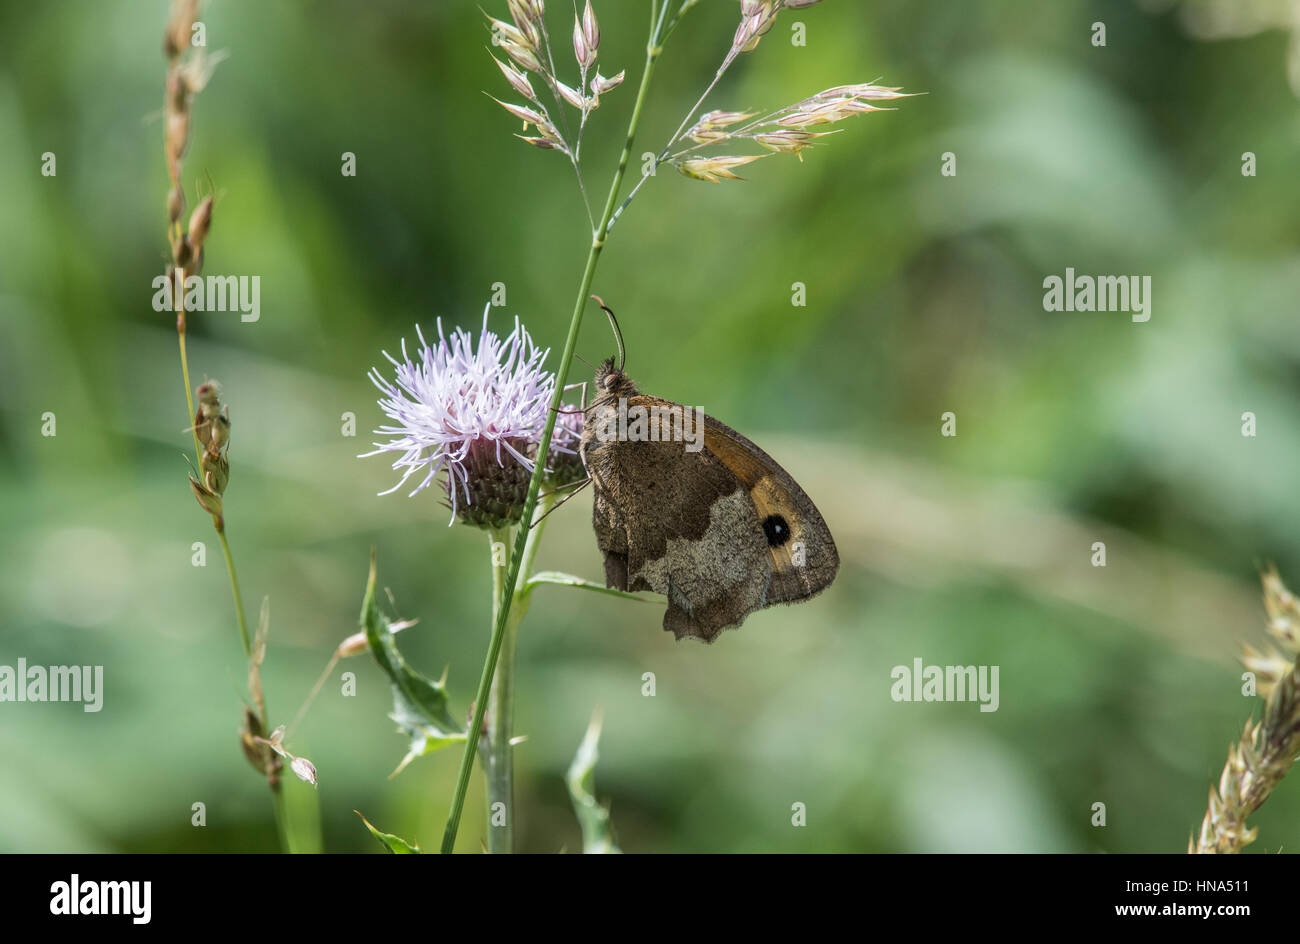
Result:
<point x="687" y="507"/>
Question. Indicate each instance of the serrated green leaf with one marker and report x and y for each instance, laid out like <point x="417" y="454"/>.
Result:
<point x="394" y="844"/>
<point x="419" y="703"/>
<point x="597" y="834"/>
<point x="569" y="580"/>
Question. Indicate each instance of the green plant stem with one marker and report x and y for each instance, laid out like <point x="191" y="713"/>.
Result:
<point x="281" y="817"/>
<point x="277" y="790"/>
<point x="524" y="593"/>
<point x="653" y="50"/>
<point x="219" y="523"/>
<point x="498" y="757"/>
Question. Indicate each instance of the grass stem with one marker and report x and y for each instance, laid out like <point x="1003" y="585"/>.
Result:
<point x="653" y="50"/>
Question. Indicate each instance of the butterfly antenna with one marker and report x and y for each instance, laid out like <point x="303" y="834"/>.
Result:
<point x="618" y="334"/>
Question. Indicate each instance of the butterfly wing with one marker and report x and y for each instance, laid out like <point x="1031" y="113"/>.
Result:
<point x="707" y="519"/>
<point x="801" y="551"/>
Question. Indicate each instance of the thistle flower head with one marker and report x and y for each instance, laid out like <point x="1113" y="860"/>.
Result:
<point x="473" y="413"/>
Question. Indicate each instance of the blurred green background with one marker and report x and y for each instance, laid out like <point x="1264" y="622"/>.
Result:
<point x="1118" y="685"/>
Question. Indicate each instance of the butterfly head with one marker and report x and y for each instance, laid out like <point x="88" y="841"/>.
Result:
<point x="612" y="383"/>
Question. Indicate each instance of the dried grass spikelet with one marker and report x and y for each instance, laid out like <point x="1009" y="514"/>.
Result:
<point x="787" y="141"/>
<point x="530" y="50"/>
<point x="258" y="753"/>
<point x="200" y="220"/>
<point x="518" y="80"/>
<point x="1268" y="748"/>
<point x="188" y="73"/>
<point x="212" y="429"/>
<point x="518" y="44"/>
<point x="716" y="169"/>
<point x="784" y="131"/>
<point x="176" y="38"/>
<point x="756" y="18"/>
<point x="600" y="84"/>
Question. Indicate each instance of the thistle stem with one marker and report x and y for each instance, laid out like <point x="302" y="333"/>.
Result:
<point x="498" y="756"/>
<point x="653" y="50"/>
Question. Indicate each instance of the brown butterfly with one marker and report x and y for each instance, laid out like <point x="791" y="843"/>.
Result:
<point x="687" y="507"/>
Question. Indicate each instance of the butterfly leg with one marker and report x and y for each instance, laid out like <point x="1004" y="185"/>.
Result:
<point x="583" y="401"/>
<point x="580" y="485"/>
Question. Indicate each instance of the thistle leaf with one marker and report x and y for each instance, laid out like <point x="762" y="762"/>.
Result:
<point x="597" y="838"/>
<point x="569" y="580"/>
<point x="419" y="703"/>
<point x="394" y="844"/>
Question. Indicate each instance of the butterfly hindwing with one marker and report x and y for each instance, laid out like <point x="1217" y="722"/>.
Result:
<point x="714" y="524"/>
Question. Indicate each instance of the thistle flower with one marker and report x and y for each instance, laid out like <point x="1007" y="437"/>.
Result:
<point x="475" y="414"/>
<point x="563" y="464"/>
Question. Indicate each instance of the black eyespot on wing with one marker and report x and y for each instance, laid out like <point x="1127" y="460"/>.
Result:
<point x="776" y="529"/>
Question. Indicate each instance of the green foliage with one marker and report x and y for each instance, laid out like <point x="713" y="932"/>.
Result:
<point x="569" y="580"/>
<point x="597" y="833"/>
<point x="394" y="844"/>
<point x="419" y="703"/>
<point x="924" y="295"/>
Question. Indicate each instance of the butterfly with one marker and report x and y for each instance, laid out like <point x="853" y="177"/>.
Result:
<point x="687" y="507"/>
